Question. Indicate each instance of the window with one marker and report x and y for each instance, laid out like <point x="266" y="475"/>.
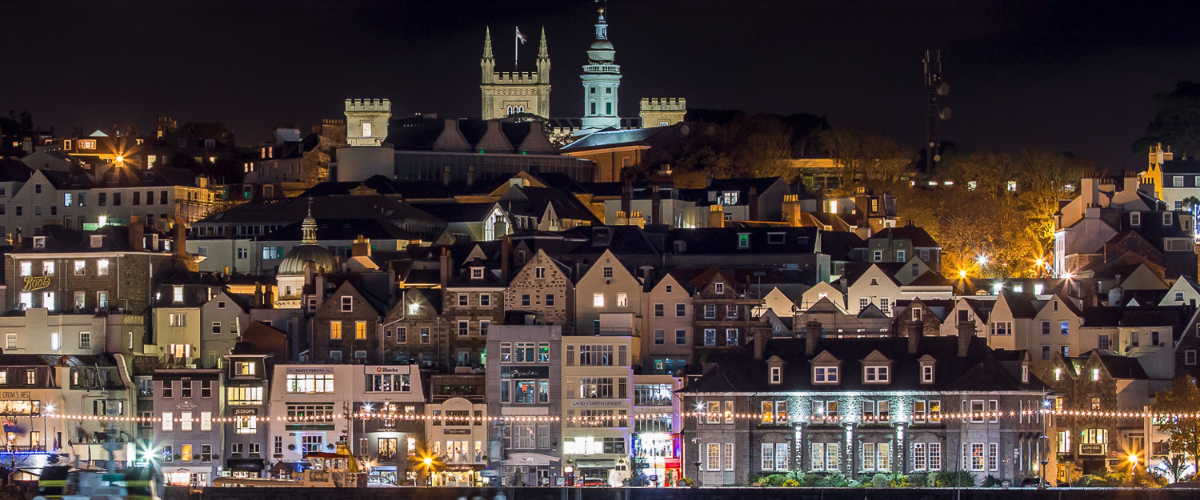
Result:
<point x="307" y="383"/>
<point x="622" y="299"/>
<point x="243" y="253"/>
<point x="660" y="337"/>
<point x="549" y="300"/>
<point x="976" y="456"/>
<point x="826" y="374"/>
<point x="463" y="328"/>
<point x="26" y="268"/>
<point x="85" y="340"/>
<point x="1135" y="219"/>
<point x="47" y="266"/>
<point x="710" y="311"/>
<point x="659" y="311"/>
<point x="168" y="419"/>
<point x="102" y="267"/>
<point x="347" y="303"/>
<point x="1064" y="328"/>
<point x="462" y="300"/>
<point x="525" y="300"/>
<point x="1045" y="352"/>
<point x="80" y="267"/>
<point x="1065" y="350"/>
<point x="539" y="273"/>
<point x="1189" y="357"/>
<point x="335" y="330"/>
<point x="719" y="288"/>
<point x="485" y="300"/>
<point x="598" y="299"/>
<point x="876" y="374"/>
<point x="1166" y="218"/>
<point x="425" y="335"/>
<point x="1001" y="328"/>
<point x="680" y="310"/>
<point x="360" y="330"/>
<point x="272" y="252"/>
<point x="710" y="336"/>
<point x="680" y="337"/>
<point x="776" y="375"/>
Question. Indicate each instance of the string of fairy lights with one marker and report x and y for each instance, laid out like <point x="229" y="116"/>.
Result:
<point x="703" y="417"/>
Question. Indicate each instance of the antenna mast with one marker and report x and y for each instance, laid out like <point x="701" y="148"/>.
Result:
<point x="934" y="87"/>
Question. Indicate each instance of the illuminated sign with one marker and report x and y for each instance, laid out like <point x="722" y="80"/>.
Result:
<point x="310" y="369"/>
<point x="387" y="369"/>
<point x="33" y="283"/>
<point x="20" y="408"/>
<point x="1091" y="449"/>
<point x="508" y="372"/>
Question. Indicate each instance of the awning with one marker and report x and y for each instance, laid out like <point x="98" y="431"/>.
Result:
<point x="531" y="459"/>
<point x="244" y="464"/>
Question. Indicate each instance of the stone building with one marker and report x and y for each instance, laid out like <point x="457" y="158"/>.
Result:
<point x="471" y="303"/>
<point x="413" y="330"/>
<point x="506" y="93"/>
<point x="662" y="111"/>
<point x="859" y="407"/>
<point x="345" y="328"/>
<point x="544" y="288"/>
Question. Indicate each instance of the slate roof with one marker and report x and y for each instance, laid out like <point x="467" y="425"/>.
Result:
<point x="343" y="229"/>
<point x="980" y="370"/>
<point x="1181" y="167"/>
<point x="63" y="240"/>
<point x="724" y="240"/>
<point x="422" y="136"/>
<point x="615" y="138"/>
<point x="326" y="207"/>
<point x="917" y="234"/>
<point x="14" y="171"/>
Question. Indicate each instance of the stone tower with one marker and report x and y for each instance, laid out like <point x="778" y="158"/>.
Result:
<point x="662" y="111"/>
<point x="367" y="121"/>
<point x="512" y="92"/>
<point x="601" y="80"/>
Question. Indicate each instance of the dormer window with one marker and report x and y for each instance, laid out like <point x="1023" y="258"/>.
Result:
<point x="916" y="314"/>
<point x="825" y="375"/>
<point x="97" y="241"/>
<point x="927" y="369"/>
<point x="1024" y="374"/>
<point x="1135" y="219"/>
<point x="874" y="281"/>
<point x="1166" y="218"/>
<point x="39" y="242"/>
<point x="774" y="370"/>
<point x="719" y="288"/>
<point x="876" y="375"/>
<point x="776" y="375"/>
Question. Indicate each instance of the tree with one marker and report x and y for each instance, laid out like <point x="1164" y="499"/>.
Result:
<point x="1182" y="397"/>
<point x="1176" y="466"/>
<point x="867" y="157"/>
<point x="1177" y="122"/>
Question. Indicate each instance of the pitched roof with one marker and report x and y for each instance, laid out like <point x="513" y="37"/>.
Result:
<point x="917" y="234"/>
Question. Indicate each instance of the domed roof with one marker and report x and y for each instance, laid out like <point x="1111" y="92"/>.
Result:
<point x="601" y="45"/>
<point x="293" y="263"/>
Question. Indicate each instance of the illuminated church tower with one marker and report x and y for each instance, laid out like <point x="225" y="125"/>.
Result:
<point x="507" y="93"/>
<point x="601" y="80"/>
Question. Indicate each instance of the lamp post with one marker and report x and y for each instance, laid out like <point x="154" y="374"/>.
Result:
<point x="1042" y="485"/>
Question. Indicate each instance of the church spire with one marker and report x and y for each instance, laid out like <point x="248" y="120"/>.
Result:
<point x="487" y="43"/>
<point x="542" y="52"/>
<point x="308" y="228"/>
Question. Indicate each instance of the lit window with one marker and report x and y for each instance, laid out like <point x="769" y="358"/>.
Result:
<point x="598" y="299"/>
<point x="102" y="267"/>
<point x="335" y="330"/>
<point x="178" y="293"/>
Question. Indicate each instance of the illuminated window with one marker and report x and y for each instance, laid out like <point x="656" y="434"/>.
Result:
<point x="335" y="330"/>
<point x="102" y="267"/>
<point x="598" y="299"/>
<point x="360" y="330"/>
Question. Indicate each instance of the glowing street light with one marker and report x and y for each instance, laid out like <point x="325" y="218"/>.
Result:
<point x="1041" y="261"/>
<point x="962" y="274"/>
<point x="983" y="260"/>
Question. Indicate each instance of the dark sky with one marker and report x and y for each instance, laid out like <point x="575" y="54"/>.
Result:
<point x="1065" y="76"/>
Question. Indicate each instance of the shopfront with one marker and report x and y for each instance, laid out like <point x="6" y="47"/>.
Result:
<point x="529" y="469"/>
<point x="657" y="454"/>
<point x="187" y="476"/>
<point x="244" y="467"/>
<point x="458" y="475"/>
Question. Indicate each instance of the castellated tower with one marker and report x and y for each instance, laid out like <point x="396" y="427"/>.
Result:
<point x="366" y="153"/>
<point x="662" y="111"/>
<point x="601" y="81"/>
<point x="367" y="121"/>
<point x="507" y="93"/>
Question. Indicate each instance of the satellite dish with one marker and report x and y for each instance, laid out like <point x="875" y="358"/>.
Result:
<point x="943" y="88"/>
<point x="944" y="114"/>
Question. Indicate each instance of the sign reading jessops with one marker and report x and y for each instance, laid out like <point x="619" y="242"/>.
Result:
<point x="33" y="283"/>
<point x="508" y="372"/>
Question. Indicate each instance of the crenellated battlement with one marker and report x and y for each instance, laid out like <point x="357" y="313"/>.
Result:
<point x="379" y="105"/>
<point x="516" y="77"/>
<point x="664" y="104"/>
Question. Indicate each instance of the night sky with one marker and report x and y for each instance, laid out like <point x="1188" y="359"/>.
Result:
<point x="1065" y="76"/>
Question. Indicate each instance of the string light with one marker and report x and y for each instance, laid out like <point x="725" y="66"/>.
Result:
<point x="700" y="415"/>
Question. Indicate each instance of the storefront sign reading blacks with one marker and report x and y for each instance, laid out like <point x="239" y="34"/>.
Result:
<point x="35" y="283"/>
<point x="456" y="431"/>
<point x="508" y="372"/>
<point x="387" y="369"/>
<point x="245" y="412"/>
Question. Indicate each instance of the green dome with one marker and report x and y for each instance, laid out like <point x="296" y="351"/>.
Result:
<point x="293" y="263"/>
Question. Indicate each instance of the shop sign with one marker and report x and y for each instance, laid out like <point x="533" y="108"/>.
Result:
<point x="508" y="372"/>
<point x="245" y="412"/>
<point x="1091" y="449"/>
<point x="308" y="427"/>
<point x="456" y="431"/>
<point x="605" y="403"/>
<point x="387" y="369"/>
<point x="33" y="283"/>
<point x="310" y="369"/>
<point x="16" y="395"/>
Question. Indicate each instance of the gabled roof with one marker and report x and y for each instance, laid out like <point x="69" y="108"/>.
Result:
<point x="343" y="229"/>
<point x="917" y="234"/>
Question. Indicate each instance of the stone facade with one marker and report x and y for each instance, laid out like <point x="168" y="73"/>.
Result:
<point x="662" y="111"/>
<point x="542" y="287"/>
<point x="508" y="93"/>
<point x="345" y="328"/>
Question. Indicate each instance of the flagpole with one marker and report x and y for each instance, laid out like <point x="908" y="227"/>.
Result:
<point x="516" y="47"/>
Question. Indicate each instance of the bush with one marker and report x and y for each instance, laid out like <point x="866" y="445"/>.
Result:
<point x="918" y="480"/>
<point x="755" y="480"/>
<point x="1091" y="481"/>
<point x="900" y="481"/>
<point x="773" y="480"/>
<point x="791" y="483"/>
<point x="832" y="480"/>
<point x="957" y="479"/>
<point x="992" y="481"/>
<point x="880" y="481"/>
<point x="687" y="481"/>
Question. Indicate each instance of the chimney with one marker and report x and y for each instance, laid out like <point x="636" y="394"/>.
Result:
<point x="792" y="209"/>
<point x="760" y="342"/>
<point x="966" y="330"/>
<point x="470" y="175"/>
<point x="180" y="238"/>
<point x="137" y="234"/>
<point x="812" y="332"/>
<point x="446" y="176"/>
<point x="361" y="247"/>
<point x="258" y="294"/>
<point x="626" y="194"/>
<point x="753" y="201"/>
<point x="319" y="286"/>
<point x="655" y="206"/>
<point x="506" y="248"/>
<point x="445" y="267"/>
<point x="716" y="216"/>
<point x="915" y="330"/>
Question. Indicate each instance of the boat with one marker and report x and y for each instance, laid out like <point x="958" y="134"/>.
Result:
<point x="64" y="483"/>
<point x="340" y="469"/>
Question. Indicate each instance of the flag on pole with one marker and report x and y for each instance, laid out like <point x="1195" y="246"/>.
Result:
<point x="520" y="36"/>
